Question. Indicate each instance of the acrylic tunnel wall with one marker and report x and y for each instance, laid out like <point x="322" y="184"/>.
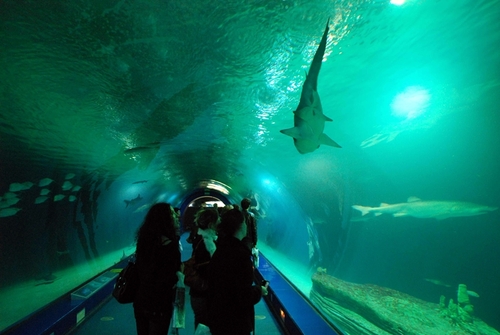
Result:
<point x="108" y="107"/>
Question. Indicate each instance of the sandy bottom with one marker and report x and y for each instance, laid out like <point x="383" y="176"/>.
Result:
<point x="24" y="298"/>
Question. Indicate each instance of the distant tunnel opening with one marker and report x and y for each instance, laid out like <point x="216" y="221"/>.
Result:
<point x="193" y="202"/>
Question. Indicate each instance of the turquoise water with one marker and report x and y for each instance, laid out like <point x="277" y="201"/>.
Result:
<point x="106" y="94"/>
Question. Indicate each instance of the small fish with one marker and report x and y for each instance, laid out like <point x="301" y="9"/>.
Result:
<point x="59" y="197"/>
<point x="473" y="294"/>
<point x="4" y="204"/>
<point x="153" y="145"/>
<point x="140" y="182"/>
<point x="133" y="201"/>
<point x="436" y="282"/>
<point x="44" y="191"/>
<point x="11" y="201"/>
<point x="44" y="283"/>
<point x="16" y="187"/>
<point x="76" y="188"/>
<point x="45" y="182"/>
<point x="9" y="211"/>
<point x="69" y="176"/>
<point x="41" y="199"/>
<point x="71" y="198"/>
<point x="67" y="186"/>
<point x="9" y="195"/>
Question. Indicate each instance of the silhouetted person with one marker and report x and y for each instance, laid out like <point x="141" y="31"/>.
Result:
<point x="251" y="238"/>
<point x="231" y="293"/>
<point x="158" y="259"/>
<point x="203" y="248"/>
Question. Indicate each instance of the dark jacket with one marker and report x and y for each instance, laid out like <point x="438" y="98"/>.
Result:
<point x="251" y="228"/>
<point x="202" y="256"/>
<point x="231" y="293"/>
<point x="157" y="269"/>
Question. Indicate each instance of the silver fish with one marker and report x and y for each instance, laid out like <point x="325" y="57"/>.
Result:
<point x="9" y="211"/>
<point x="59" y="197"/>
<point x="45" y="182"/>
<point x="16" y="187"/>
<point x="41" y="199"/>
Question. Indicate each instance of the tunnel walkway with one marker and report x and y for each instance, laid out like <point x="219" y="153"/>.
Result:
<point x="113" y="318"/>
<point x="283" y="311"/>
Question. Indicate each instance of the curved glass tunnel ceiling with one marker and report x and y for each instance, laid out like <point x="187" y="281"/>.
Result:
<point x="107" y="107"/>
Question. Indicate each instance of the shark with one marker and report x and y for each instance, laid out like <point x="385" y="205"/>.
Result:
<point x="439" y="210"/>
<point x="309" y="120"/>
<point x="133" y="201"/>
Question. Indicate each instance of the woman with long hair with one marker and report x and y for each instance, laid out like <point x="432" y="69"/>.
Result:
<point x="158" y="259"/>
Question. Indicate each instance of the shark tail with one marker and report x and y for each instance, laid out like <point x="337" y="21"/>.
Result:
<point x="126" y="203"/>
<point x="363" y="209"/>
<point x="318" y="58"/>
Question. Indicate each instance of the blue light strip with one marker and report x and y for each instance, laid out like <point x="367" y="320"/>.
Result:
<point x="290" y="308"/>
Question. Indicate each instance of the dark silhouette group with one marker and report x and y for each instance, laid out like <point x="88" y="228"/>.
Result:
<point x="222" y="249"/>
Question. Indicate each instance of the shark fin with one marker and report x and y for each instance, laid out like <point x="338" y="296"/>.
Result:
<point x="326" y="118"/>
<point x="378" y="214"/>
<point x="324" y="139"/>
<point x="363" y="209"/>
<point x="292" y="132"/>
<point x="414" y="199"/>
<point x="399" y="214"/>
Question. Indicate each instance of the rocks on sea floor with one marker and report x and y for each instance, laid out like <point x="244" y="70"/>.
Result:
<point x="370" y="309"/>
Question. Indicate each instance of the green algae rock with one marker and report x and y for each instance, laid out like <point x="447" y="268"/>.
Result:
<point x="367" y="309"/>
<point x="462" y="296"/>
<point x="442" y="302"/>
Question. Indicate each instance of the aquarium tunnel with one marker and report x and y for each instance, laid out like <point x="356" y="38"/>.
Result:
<point x="365" y="133"/>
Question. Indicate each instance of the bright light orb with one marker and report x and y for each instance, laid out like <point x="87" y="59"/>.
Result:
<point x="398" y="2"/>
<point x="410" y="103"/>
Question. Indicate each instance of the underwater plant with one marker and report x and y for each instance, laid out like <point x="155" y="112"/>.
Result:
<point x="462" y="311"/>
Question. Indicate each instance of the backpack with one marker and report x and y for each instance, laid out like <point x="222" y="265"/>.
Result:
<point x="127" y="284"/>
<point x="192" y="277"/>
